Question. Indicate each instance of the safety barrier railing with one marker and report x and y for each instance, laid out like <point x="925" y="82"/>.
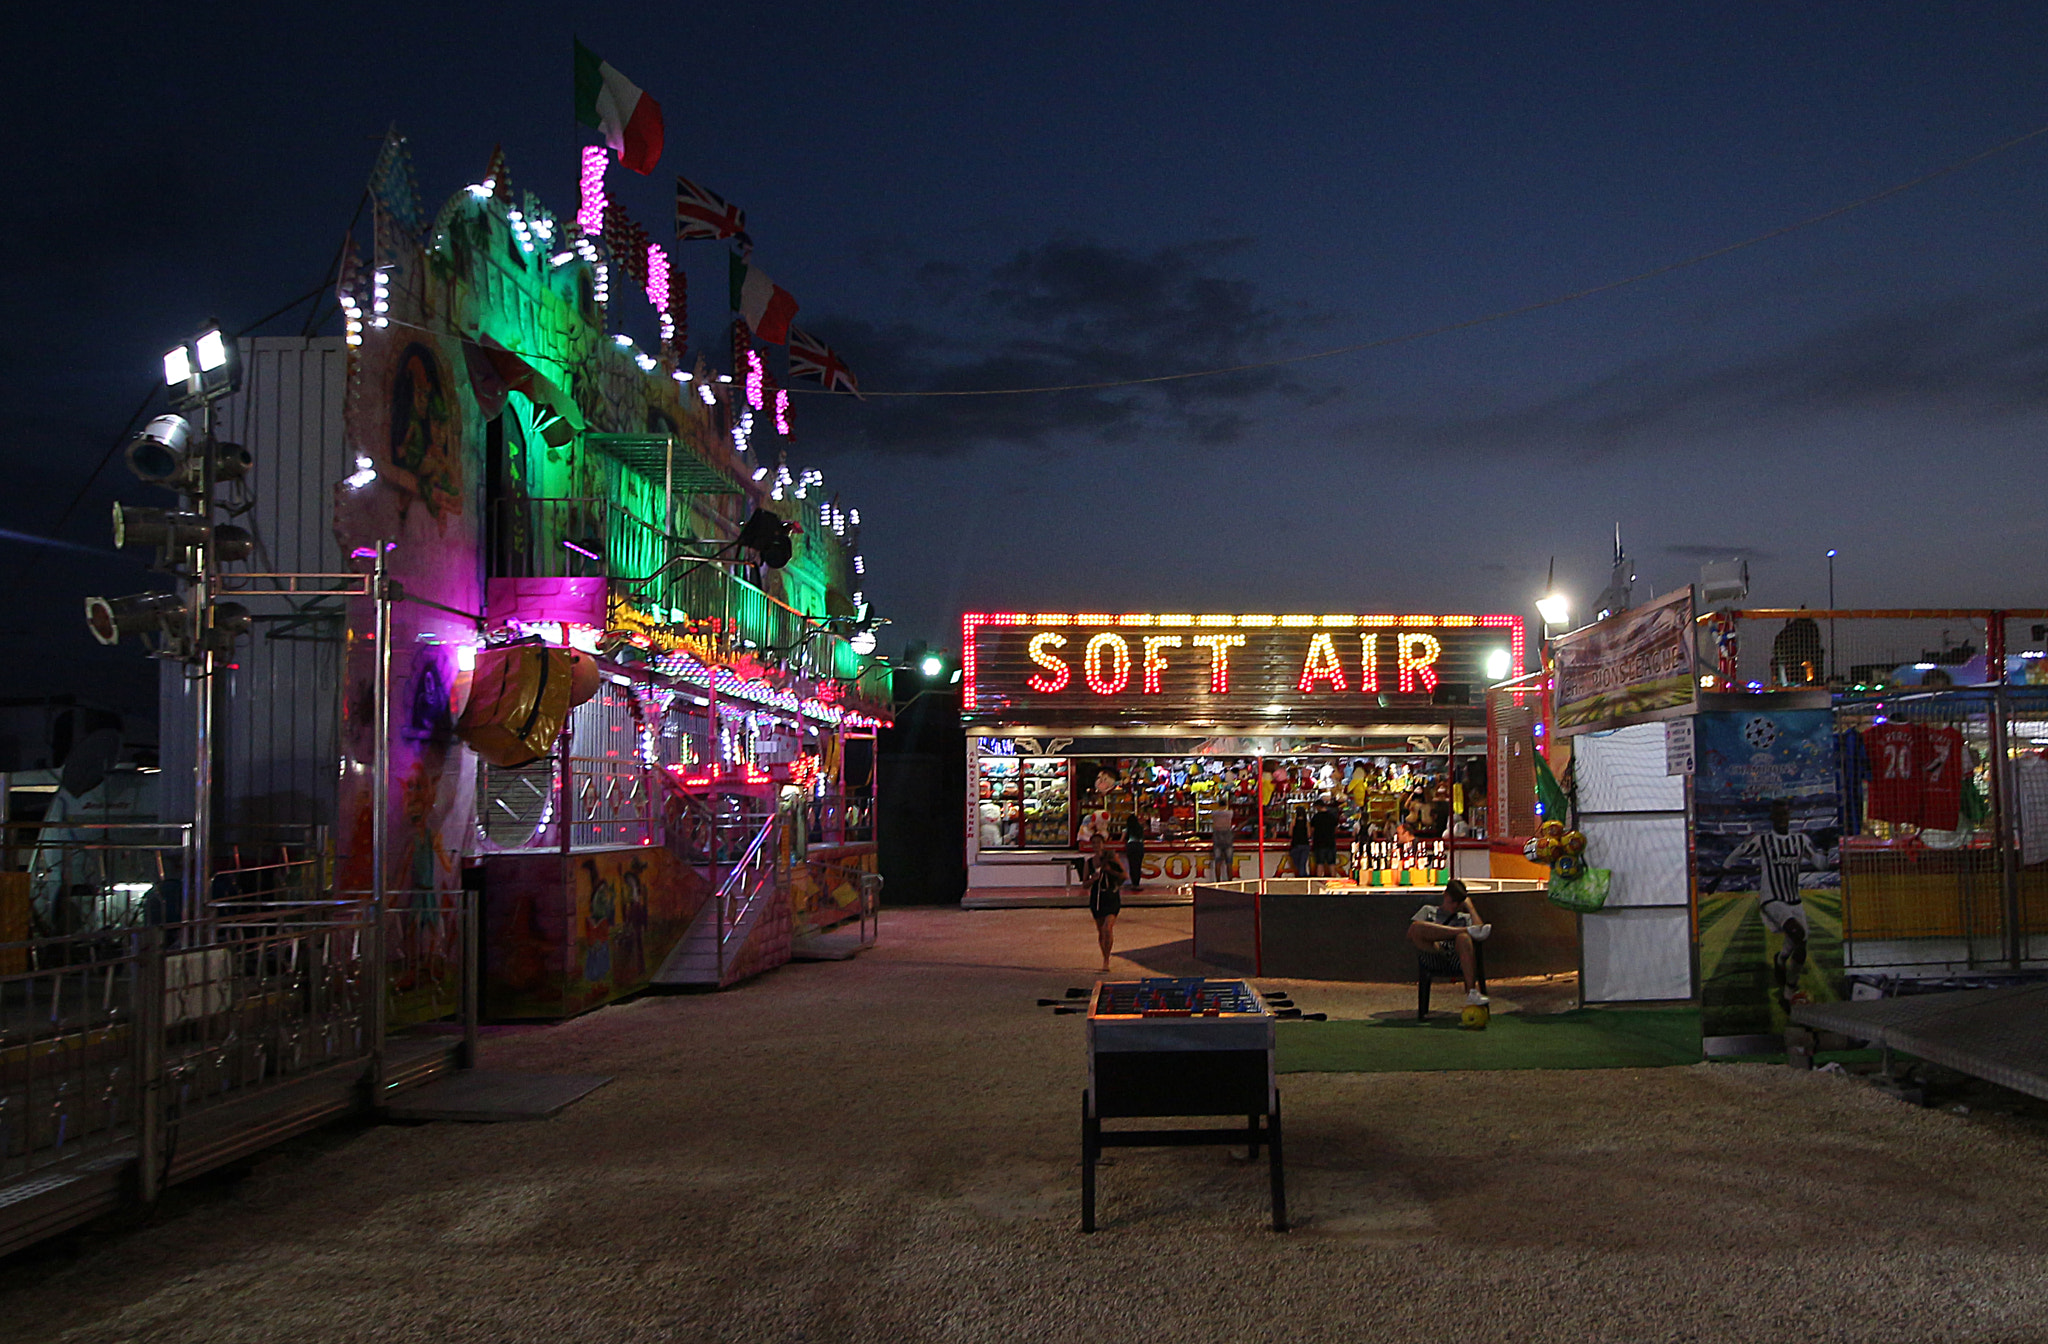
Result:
<point x="113" y="1041"/>
<point x="756" y="876"/>
<point x="70" y="1054"/>
<point x="588" y="537"/>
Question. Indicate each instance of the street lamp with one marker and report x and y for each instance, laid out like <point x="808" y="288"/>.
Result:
<point x="1832" y="665"/>
<point x="1552" y="606"/>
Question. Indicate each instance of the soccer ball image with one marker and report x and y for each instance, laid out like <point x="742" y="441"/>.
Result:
<point x="1546" y="849"/>
<point x="1570" y="867"/>
<point x="1552" y="828"/>
<point x="1574" y="842"/>
<point x="1760" y="733"/>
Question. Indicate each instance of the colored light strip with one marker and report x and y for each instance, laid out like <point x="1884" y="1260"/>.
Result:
<point x="972" y="621"/>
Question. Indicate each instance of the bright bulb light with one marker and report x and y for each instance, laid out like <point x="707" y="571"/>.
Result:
<point x="1553" y="609"/>
<point x="212" y="350"/>
<point x="465" y="657"/>
<point x="759" y="472"/>
<point x="863" y="642"/>
<point x="177" y="368"/>
<point x="1497" y="665"/>
<point x="932" y="665"/>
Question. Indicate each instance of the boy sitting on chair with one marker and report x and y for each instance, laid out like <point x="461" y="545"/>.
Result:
<point x="1443" y="935"/>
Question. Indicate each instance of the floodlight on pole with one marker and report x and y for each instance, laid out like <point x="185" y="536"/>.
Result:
<point x="201" y="370"/>
<point x="1552" y="606"/>
<point x="212" y="351"/>
<point x="932" y="665"/>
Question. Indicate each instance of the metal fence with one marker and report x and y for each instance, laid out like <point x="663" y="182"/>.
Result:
<point x="114" y="1043"/>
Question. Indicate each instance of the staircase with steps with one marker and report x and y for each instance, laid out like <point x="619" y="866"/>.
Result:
<point x="745" y="928"/>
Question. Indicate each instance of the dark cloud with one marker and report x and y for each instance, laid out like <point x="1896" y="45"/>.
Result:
<point x="1684" y="552"/>
<point x="1975" y="356"/>
<point x="1068" y="312"/>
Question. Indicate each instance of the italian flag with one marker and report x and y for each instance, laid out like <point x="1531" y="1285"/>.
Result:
<point x="767" y="306"/>
<point x="630" y="120"/>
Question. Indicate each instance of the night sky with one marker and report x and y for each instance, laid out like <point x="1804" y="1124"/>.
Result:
<point x="972" y="196"/>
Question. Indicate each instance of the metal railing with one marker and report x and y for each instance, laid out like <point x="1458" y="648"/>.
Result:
<point x="111" y="1043"/>
<point x="588" y="537"/>
<point x="756" y="875"/>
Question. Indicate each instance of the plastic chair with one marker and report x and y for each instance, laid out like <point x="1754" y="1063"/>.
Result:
<point x="1423" y="978"/>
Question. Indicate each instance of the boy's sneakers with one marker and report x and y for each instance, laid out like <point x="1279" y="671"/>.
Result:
<point x="1480" y="932"/>
<point x="1476" y="999"/>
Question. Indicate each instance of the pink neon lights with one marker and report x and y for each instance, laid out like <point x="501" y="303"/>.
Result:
<point x="782" y="412"/>
<point x="756" y="373"/>
<point x="590" y="203"/>
<point x="1039" y="651"/>
<point x="657" y="277"/>
<point x="1219" y="647"/>
<point x="1118" y="675"/>
<point x="1321" y="665"/>
<point x="1154" y="661"/>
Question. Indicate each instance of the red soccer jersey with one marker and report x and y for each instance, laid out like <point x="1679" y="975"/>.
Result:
<point x="1894" y="772"/>
<point x="1942" y="765"/>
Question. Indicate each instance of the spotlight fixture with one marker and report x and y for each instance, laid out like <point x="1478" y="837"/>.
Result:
<point x="112" y="618"/>
<point x="165" y="454"/>
<point x="767" y="536"/>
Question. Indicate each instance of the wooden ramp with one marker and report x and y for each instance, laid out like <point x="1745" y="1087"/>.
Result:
<point x="485" y="1097"/>
<point x="1999" y="1035"/>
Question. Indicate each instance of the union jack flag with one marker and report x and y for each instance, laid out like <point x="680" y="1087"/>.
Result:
<point x="811" y="358"/>
<point x="706" y="214"/>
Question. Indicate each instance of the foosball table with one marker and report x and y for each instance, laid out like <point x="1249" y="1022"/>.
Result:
<point x="1180" y="1047"/>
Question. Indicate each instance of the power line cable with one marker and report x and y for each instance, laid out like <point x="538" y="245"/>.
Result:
<point x="1501" y="315"/>
<point x="128" y="429"/>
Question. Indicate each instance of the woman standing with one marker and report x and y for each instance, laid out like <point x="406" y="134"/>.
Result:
<point x="1297" y="842"/>
<point x="1105" y="894"/>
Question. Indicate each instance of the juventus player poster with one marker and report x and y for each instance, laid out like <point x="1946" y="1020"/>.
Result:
<point x="1767" y="838"/>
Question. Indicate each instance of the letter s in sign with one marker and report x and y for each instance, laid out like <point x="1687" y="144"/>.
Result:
<point x="1041" y="653"/>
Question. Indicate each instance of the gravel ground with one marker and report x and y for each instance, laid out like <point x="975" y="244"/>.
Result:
<point x="888" y="1149"/>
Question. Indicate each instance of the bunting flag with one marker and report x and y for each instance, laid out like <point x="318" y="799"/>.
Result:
<point x="630" y="120"/>
<point x="707" y="215"/>
<point x="812" y="359"/>
<point x="767" y="306"/>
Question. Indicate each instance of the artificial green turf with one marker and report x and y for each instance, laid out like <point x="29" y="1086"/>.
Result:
<point x="1587" y="1038"/>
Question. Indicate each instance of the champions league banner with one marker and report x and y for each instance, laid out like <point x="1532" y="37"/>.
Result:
<point x="1767" y="836"/>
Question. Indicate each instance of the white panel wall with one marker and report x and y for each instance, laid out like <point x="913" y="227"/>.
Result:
<point x="1639" y="947"/>
<point x="1633" y="955"/>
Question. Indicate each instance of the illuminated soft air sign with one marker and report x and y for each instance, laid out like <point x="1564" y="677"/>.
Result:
<point x="1104" y="669"/>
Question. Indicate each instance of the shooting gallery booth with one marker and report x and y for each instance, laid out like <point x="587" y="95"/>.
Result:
<point x="1076" y="722"/>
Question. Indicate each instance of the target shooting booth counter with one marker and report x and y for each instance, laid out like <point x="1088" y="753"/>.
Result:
<point x="1078" y="721"/>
